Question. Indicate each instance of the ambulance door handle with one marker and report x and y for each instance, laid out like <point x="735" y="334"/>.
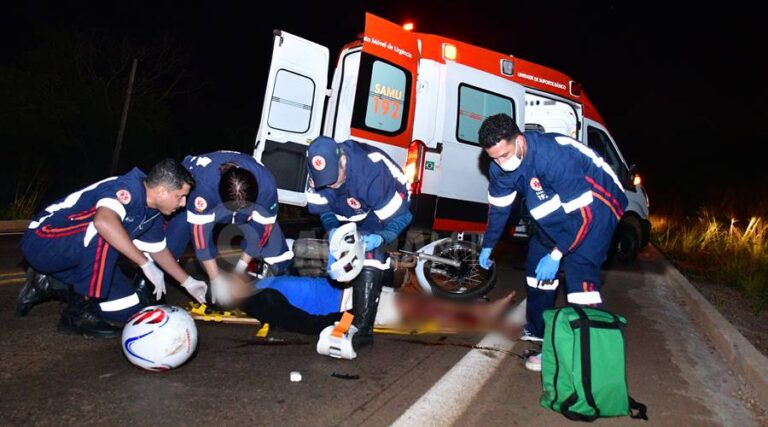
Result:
<point x="438" y="149"/>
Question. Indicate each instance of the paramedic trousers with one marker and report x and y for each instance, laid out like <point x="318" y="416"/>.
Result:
<point x="88" y="268"/>
<point x="581" y="268"/>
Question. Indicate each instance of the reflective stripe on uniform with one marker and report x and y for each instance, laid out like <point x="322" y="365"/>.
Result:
<point x="538" y="284"/>
<point x="391" y="207"/>
<point x="546" y="208"/>
<point x="377" y="264"/>
<point x="285" y="256"/>
<point x="70" y="201"/>
<point x="393" y="169"/>
<point x="353" y="218"/>
<point x="502" y="201"/>
<point x="264" y="220"/>
<point x="597" y="160"/>
<point x="113" y="205"/>
<point x="120" y="303"/>
<point x="316" y="199"/>
<point x="579" y="202"/>
<point x="151" y="247"/>
<point x="200" y="219"/>
<point x="584" y="298"/>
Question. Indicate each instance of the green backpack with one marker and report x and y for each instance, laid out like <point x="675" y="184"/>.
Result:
<point x="582" y="365"/>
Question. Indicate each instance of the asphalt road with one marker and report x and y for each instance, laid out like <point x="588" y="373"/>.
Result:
<point x="236" y="378"/>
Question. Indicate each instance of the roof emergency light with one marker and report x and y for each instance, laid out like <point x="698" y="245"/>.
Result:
<point x="408" y="26"/>
<point x="507" y="67"/>
<point x="449" y="51"/>
<point x="575" y="88"/>
<point x="414" y="166"/>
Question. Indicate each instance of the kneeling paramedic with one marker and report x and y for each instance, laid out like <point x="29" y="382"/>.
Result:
<point x="355" y="182"/>
<point x="230" y="188"/>
<point x="576" y="200"/>
<point x="76" y="242"/>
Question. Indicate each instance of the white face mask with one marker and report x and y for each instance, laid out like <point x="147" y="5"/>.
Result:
<point x="512" y="163"/>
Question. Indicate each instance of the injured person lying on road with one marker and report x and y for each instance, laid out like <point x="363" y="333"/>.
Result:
<point x="308" y="305"/>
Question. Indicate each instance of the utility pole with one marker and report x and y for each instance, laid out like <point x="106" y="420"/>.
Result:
<point x="123" y="119"/>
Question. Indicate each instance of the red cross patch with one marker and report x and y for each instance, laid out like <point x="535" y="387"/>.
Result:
<point x="200" y="204"/>
<point x="353" y="203"/>
<point x="535" y="184"/>
<point x="124" y="196"/>
<point x="318" y="162"/>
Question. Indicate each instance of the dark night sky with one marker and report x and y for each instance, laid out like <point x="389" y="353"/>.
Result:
<point x="683" y="91"/>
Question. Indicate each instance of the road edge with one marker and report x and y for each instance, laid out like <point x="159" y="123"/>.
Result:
<point x="744" y="358"/>
<point x="14" y="226"/>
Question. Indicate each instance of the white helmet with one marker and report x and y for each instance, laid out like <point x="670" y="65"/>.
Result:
<point x="348" y="249"/>
<point x="159" y="337"/>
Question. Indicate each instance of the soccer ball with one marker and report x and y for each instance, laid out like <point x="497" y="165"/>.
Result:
<point x="159" y="337"/>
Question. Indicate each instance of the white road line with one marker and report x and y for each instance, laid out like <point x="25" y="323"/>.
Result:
<point x="450" y="397"/>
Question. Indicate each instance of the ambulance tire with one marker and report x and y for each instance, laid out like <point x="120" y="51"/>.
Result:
<point x="626" y="242"/>
<point x="467" y="282"/>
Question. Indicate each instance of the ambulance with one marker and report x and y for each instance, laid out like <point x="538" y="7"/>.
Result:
<point x="421" y="98"/>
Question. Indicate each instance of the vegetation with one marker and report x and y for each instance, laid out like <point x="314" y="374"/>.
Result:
<point x="731" y="251"/>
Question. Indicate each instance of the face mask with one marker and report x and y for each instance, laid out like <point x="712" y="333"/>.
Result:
<point x="511" y="164"/>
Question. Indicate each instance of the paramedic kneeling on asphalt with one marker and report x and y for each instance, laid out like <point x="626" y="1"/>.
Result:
<point x="351" y="181"/>
<point x="78" y="240"/>
<point x="575" y="199"/>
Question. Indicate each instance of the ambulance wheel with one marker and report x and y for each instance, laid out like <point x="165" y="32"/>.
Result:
<point x="469" y="281"/>
<point x="626" y="242"/>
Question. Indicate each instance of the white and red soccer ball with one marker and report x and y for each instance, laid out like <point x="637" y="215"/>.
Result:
<point x="159" y="338"/>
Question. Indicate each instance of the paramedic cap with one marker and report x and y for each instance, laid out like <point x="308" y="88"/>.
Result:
<point x="323" y="161"/>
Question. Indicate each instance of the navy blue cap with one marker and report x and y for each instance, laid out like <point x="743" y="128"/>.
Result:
<point x="323" y="161"/>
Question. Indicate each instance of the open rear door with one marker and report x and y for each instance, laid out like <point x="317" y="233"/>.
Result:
<point x="292" y="114"/>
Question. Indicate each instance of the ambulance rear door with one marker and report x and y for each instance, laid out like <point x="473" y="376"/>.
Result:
<point x="292" y="113"/>
<point x="461" y="171"/>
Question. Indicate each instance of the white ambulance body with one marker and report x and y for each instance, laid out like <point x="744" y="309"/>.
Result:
<point x="422" y="98"/>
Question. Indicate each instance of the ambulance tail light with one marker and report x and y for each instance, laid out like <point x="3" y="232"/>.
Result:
<point x="414" y="165"/>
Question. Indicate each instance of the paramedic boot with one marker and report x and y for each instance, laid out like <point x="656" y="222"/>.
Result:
<point x="80" y="318"/>
<point x="38" y="288"/>
<point x="366" y="289"/>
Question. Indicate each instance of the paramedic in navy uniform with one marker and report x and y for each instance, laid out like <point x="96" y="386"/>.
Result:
<point x="351" y="181"/>
<point x="230" y="188"/>
<point x="575" y="199"/>
<point x="78" y="239"/>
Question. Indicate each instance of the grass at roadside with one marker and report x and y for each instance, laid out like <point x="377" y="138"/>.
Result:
<point x="730" y="251"/>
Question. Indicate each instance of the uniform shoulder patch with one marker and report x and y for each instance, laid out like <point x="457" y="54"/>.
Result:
<point x="200" y="204"/>
<point x="123" y="196"/>
<point x="353" y="203"/>
<point x="535" y="184"/>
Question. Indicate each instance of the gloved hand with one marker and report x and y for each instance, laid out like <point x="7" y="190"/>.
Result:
<point x="221" y="290"/>
<point x="485" y="258"/>
<point x="156" y="276"/>
<point x="195" y="288"/>
<point x="372" y="241"/>
<point x="547" y="267"/>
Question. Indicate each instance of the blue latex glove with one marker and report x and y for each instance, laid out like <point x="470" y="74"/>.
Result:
<point x="372" y="241"/>
<point x="547" y="268"/>
<point x="485" y="258"/>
